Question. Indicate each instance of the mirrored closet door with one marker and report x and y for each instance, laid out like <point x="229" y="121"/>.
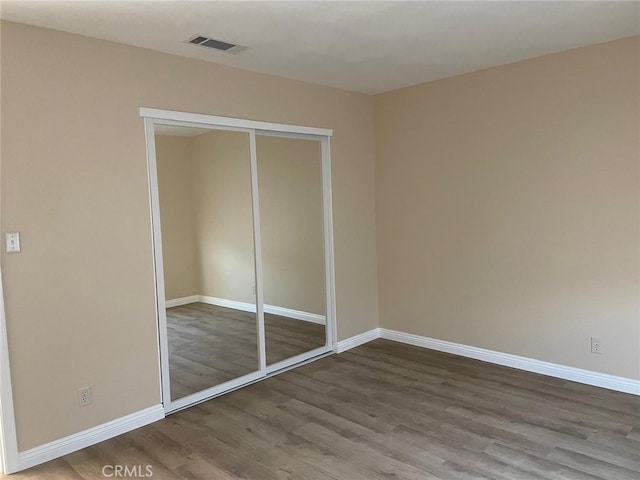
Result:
<point x="208" y="258"/>
<point x="242" y="250"/>
<point x="293" y="263"/>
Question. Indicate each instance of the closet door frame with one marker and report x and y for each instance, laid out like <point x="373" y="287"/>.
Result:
<point x="154" y="117"/>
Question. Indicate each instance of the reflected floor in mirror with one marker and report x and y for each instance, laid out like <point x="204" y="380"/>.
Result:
<point x="209" y="345"/>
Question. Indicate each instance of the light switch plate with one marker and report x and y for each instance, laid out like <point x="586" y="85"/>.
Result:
<point x="13" y="242"/>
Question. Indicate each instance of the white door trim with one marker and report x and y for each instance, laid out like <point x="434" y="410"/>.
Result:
<point x="303" y="357"/>
<point x="229" y="123"/>
<point x="155" y="116"/>
<point x="156" y="245"/>
<point x="331" y="321"/>
<point x="9" y="460"/>
<point x="214" y="391"/>
<point x="257" y="247"/>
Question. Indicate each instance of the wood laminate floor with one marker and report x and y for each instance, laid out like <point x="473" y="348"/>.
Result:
<point x="209" y="345"/>
<point x="385" y="411"/>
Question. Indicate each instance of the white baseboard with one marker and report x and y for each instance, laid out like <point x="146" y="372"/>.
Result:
<point x="357" y="340"/>
<point x="178" y="302"/>
<point x="611" y="382"/>
<point x="91" y="436"/>
<point x="248" y="307"/>
<point x="86" y="438"/>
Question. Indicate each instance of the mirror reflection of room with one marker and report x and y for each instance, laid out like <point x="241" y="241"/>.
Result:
<point x="204" y="183"/>
<point x="293" y="263"/>
<point x="206" y="221"/>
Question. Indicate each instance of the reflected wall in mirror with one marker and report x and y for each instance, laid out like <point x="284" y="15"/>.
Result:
<point x="206" y="220"/>
<point x="293" y="265"/>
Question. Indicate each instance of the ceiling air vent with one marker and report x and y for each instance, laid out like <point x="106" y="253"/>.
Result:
<point x="216" y="44"/>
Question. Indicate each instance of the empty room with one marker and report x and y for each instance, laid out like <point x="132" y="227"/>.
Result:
<point x="320" y="240"/>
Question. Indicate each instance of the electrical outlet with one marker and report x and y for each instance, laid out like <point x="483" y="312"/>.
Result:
<point x="596" y="346"/>
<point x="84" y="396"/>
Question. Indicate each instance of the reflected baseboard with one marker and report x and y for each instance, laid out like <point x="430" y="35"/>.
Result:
<point x="295" y="314"/>
<point x="177" y="302"/>
<point x="248" y="307"/>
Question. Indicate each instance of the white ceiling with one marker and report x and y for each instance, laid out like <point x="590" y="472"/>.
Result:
<point x="369" y="47"/>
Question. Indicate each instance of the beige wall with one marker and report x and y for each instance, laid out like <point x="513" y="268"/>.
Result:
<point x="291" y="222"/>
<point x="175" y="166"/>
<point x="204" y="184"/>
<point x="80" y="297"/>
<point x="224" y="215"/>
<point x="507" y="208"/>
